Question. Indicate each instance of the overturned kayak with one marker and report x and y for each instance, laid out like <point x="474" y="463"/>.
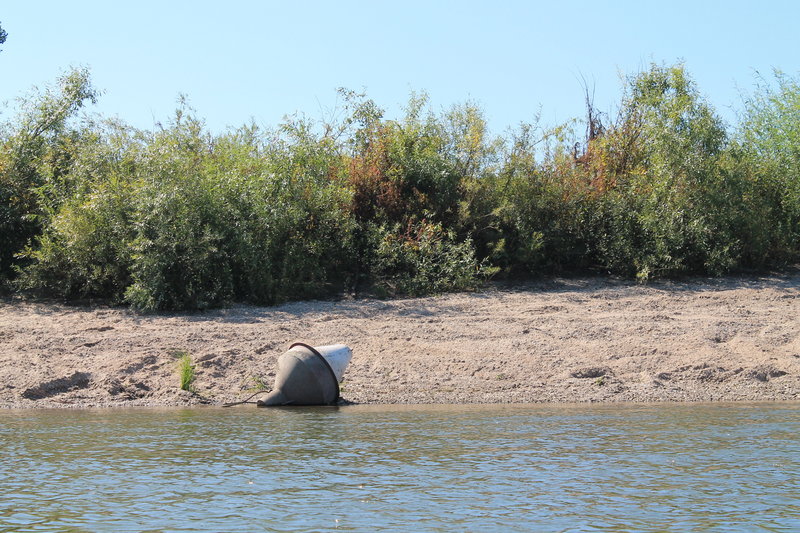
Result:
<point x="308" y="375"/>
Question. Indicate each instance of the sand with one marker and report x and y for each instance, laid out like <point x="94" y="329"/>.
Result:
<point x="559" y="340"/>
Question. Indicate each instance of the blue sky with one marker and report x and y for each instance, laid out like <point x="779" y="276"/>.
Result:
<point x="241" y="59"/>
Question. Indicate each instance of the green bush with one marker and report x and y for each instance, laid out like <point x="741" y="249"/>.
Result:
<point x="179" y="255"/>
<point x="425" y="259"/>
<point x="34" y="155"/>
<point x="769" y="150"/>
<point x="658" y="210"/>
<point x="180" y="218"/>
<point x="85" y="250"/>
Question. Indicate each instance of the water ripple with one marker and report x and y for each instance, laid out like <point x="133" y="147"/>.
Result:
<point x="431" y="468"/>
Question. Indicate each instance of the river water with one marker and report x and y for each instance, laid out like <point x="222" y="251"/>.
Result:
<point x="665" y="467"/>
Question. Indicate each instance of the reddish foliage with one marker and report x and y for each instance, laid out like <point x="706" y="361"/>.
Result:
<point x="375" y="192"/>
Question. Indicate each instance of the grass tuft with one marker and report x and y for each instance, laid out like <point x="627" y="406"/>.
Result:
<point x="186" y="371"/>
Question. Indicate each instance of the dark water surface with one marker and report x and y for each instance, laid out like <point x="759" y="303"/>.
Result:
<point x="667" y="467"/>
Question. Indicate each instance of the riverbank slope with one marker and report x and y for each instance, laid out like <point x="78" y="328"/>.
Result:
<point x="559" y="340"/>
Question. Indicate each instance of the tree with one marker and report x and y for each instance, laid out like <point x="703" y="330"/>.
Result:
<point x="3" y="35"/>
<point x="36" y="139"/>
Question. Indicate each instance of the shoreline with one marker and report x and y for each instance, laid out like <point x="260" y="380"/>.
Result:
<point x="560" y="341"/>
<point x="795" y="403"/>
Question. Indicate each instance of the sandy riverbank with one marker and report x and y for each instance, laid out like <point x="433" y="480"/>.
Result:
<point x="562" y="340"/>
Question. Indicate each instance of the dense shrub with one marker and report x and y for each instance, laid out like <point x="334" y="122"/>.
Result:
<point x="769" y="150"/>
<point x="402" y="171"/>
<point x="85" y="250"/>
<point x="425" y="259"/>
<point x="179" y="218"/>
<point x="35" y="151"/>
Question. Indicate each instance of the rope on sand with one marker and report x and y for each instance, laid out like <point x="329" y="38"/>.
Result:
<point x="246" y="400"/>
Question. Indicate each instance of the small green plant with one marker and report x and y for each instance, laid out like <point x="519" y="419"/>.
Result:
<point x="186" y="370"/>
<point x="258" y="384"/>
